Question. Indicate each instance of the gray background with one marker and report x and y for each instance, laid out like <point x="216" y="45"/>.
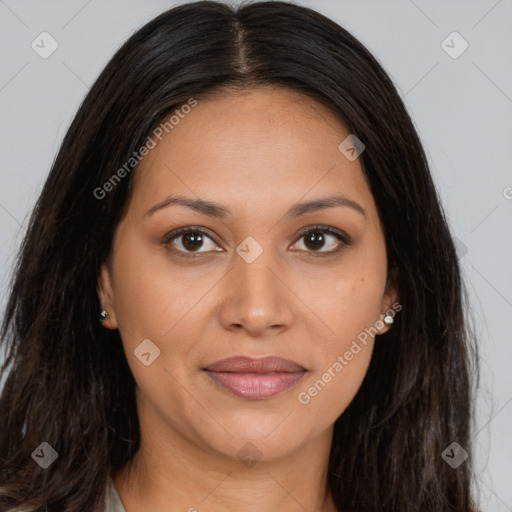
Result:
<point x="461" y="106"/>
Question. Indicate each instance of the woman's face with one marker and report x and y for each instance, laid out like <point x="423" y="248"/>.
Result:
<point x="253" y="284"/>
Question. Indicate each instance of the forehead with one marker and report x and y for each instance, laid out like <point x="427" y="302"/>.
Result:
<point x="263" y="145"/>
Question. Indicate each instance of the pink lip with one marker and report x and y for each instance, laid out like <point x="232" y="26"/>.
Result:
<point x="246" y="364"/>
<point x="255" y="379"/>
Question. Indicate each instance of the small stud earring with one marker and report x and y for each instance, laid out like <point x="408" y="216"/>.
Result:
<point x="103" y="315"/>
<point x="388" y="320"/>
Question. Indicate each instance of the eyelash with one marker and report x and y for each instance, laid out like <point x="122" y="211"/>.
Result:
<point x="340" y="235"/>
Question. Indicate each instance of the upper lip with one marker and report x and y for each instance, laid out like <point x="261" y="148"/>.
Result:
<point x="244" y="364"/>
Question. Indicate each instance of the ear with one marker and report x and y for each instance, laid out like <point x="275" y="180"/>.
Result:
<point x="390" y="301"/>
<point x="106" y="296"/>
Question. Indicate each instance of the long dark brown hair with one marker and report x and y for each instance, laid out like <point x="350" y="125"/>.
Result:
<point x="67" y="381"/>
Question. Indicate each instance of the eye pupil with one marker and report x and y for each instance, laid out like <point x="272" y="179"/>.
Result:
<point x="192" y="240"/>
<point x="315" y="240"/>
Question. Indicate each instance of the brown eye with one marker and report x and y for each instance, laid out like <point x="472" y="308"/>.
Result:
<point x="314" y="240"/>
<point x="192" y="241"/>
<point x="323" y="237"/>
<point x="187" y="241"/>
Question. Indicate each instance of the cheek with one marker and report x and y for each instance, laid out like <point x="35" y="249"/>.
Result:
<point x="161" y="302"/>
<point x="354" y="300"/>
<point x="149" y="299"/>
<point x="151" y="295"/>
<point x="152" y="303"/>
<point x="342" y="358"/>
<point x="354" y="305"/>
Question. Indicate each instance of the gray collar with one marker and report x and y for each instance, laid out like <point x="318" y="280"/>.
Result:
<point x="113" y="501"/>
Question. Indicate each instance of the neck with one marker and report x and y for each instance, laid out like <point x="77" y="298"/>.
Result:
<point x="172" y="472"/>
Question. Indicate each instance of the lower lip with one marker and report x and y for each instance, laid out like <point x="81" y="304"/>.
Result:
<point x="255" y="386"/>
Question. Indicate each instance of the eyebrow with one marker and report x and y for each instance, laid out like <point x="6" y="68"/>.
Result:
<point x="216" y="210"/>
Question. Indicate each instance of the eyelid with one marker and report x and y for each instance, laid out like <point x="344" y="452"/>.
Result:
<point x="345" y="238"/>
<point x="180" y="231"/>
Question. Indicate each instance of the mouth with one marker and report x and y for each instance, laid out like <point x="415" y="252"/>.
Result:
<point x="255" y="379"/>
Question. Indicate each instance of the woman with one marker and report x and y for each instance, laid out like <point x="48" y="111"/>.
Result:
<point x="244" y="201"/>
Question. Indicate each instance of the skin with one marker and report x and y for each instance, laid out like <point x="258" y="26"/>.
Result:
<point x="256" y="152"/>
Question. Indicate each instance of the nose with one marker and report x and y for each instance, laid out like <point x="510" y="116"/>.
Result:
<point x="255" y="297"/>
